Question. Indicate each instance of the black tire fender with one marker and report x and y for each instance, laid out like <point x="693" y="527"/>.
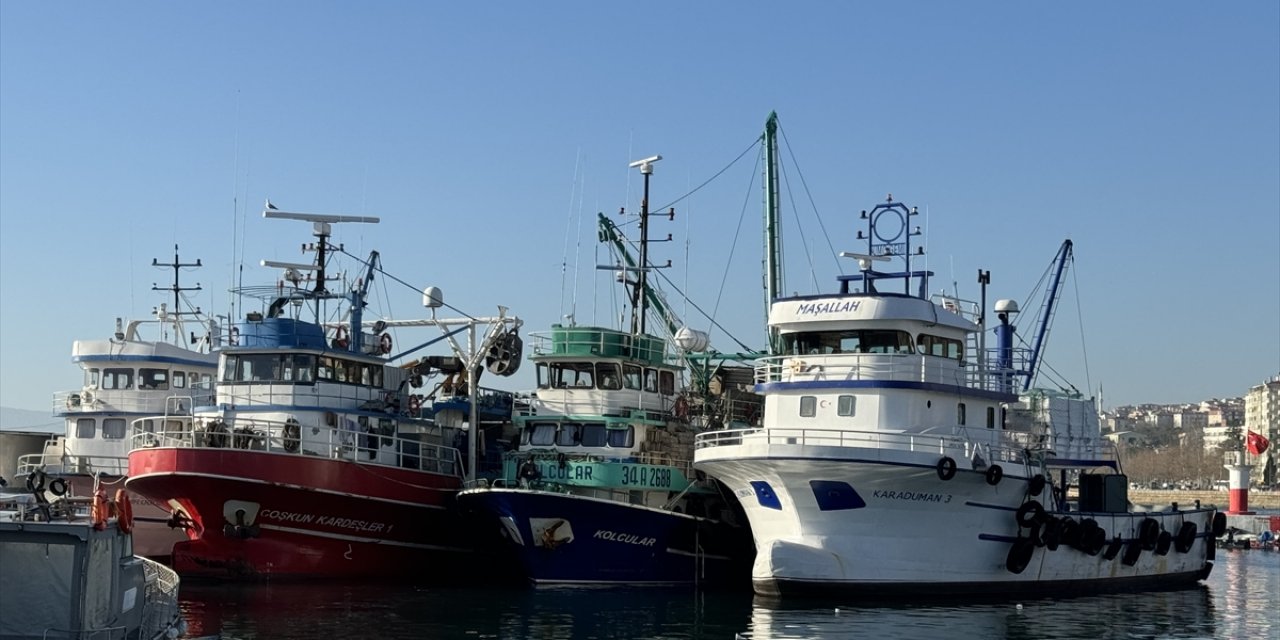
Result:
<point x="946" y="468"/>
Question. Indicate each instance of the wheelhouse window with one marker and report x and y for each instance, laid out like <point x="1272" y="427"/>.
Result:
<point x="179" y="379"/>
<point x="632" y="376"/>
<point x="666" y="383"/>
<point x="852" y="341"/>
<point x="113" y="428"/>
<point x="593" y="435"/>
<point x="960" y="414"/>
<point x="540" y="434"/>
<point x="117" y="378"/>
<point x="991" y="417"/>
<point x="808" y="406"/>
<point x="570" y="435"/>
<point x="622" y="438"/>
<point x="651" y="380"/>
<point x="85" y="428"/>
<point x="608" y="376"/>
<point x="931" y="345"/>
<point x="153" y="379"/>
<point x="562" y="375"/>
<point x="92" y="378"/>
<point x="845" y="405"/>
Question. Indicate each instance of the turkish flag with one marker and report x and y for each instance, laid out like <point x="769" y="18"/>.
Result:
<point x="1256" y="443"/>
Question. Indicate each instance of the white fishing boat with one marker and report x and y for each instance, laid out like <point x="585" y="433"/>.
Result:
<point x="898" y="456"/>
<point x="162" y="366"/>
<point x="70" y="571"/>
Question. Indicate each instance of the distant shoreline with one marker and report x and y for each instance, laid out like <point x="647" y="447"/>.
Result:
<point x="1257" y="499"/>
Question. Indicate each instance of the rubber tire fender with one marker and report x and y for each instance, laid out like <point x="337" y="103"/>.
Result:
<point x="58" y="487"/>
<point x="1219" y="524"/>
<point x="994" y="474"/>
<point x="1186" y="537"/>
<point x="1149" y="534"/>
<point x="946" y="468"/>
<point x="1029" y="513"/>
<point x="1020" y="555"/>
<point x="1113" y="548"/>
<point x="1035" y="485"/>
<point x="1163" y="542"/>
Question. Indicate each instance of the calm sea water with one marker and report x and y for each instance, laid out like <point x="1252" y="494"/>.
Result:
<point x="1240" y="600"/>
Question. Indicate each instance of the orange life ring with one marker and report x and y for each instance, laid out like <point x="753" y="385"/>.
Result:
<point x="384" y="343"/>
<point x="98" y="512"/>
<point x="124" y="511"/>
<point x="340" y="337"/>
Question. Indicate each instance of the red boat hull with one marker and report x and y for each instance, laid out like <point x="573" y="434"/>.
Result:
<point x="257" y="514"/>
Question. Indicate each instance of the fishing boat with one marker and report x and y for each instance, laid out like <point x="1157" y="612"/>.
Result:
<point x="899" y="457"/>
<point x="600" y="489"/>
<point x="155" y="367"/>
<point x="71" y="570"/>
<point x="314" y="458"/>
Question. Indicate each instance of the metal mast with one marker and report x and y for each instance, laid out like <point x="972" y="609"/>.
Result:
<point x="772" y="226"/>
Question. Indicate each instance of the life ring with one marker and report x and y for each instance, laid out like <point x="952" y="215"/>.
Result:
<point x="946" y="468"/>
<point x="994" y="474"/>
<point x="1219" y="524"/>
<point x="1113" y="549"/>
<point x="415" y="403"/>
<point x="98" y="511"/>
<point x="1149" y="534"/>
<point x="1029" y="514"/>
<point x="682" y="408"/>
<point x="291" y="435"/>
<point x="235" y="336"/>
<point x="340" y="337"/>
<point x="124" y="511"/>
<point x="1035" y="485"/>
<point x="1020" y="555"/>
<point x="58" y="487"/>
<point x="384" y="343"/>
<point x="1186" y="537"/>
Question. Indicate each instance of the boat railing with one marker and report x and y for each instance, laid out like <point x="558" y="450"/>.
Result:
<point x="597" y="342"/>
<point x="130" y="400"/>
<point x="892" y="367"/>
<point x="160" y="606"/>
<point x="957" y="446"/>
<point x="59" y="463"/>
<point x="372" y="444"/>
<point x="323" y="395"/>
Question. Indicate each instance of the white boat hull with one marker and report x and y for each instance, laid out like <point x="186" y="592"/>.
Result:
<point x="900" y="528"/>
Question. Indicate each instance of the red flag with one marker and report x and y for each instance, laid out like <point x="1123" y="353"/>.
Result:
<point x="1256" y="443"/>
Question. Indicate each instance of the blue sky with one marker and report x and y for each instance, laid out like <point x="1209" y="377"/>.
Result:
<point x="1147" y="132"/>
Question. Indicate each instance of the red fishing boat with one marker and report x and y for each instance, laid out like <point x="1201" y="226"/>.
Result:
<point x="315" y="460"/>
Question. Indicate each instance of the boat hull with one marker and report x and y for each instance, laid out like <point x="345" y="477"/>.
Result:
<point x="556" y="538"/>
<point x="882" y="525"/>
<point x="254" y="514"/>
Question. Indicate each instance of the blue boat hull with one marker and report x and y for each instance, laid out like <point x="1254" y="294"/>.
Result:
<point x="555" y="538"/>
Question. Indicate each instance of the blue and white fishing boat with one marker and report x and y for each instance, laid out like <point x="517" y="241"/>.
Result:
<point x="159" y="368"/>
<point x="600" y="489"/>
<point x="897" y="456"/>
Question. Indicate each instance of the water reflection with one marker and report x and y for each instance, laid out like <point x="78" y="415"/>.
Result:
<point x="1240" y="600"/>
<point x="1186" y="613"/>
